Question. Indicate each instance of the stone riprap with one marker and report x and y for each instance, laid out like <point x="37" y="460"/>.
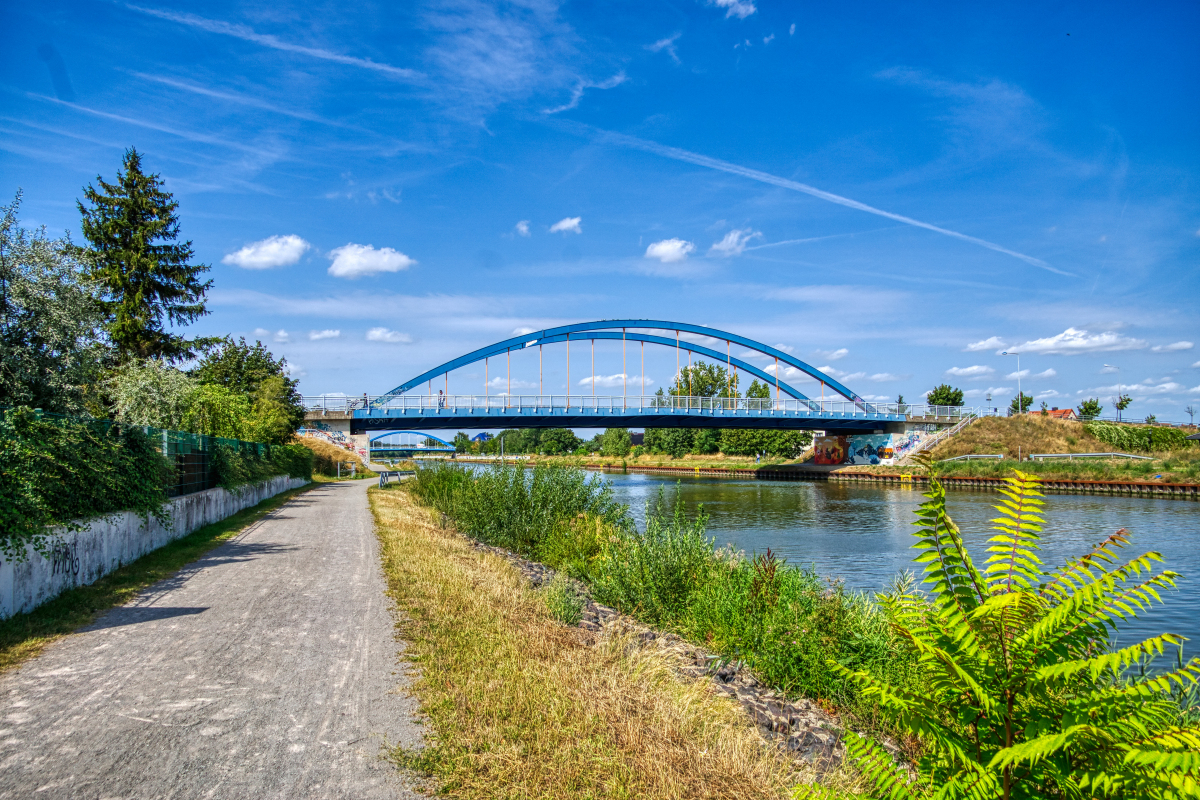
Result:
<point x="77" y="558"/>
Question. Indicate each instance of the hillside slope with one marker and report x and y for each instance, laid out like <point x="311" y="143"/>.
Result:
<point x="1031" y="433"/>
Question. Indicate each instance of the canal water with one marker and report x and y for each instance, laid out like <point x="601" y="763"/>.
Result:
<point x="863" y="535"/>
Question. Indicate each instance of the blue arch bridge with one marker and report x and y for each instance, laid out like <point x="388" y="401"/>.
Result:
<point x="834" y="408"/>
<point x="406" y="444"/>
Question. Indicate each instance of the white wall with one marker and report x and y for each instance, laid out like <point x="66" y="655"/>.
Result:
<point x="79" y="558"/>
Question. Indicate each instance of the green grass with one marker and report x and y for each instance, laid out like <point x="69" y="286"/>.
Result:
<point x="24" y="636"/>
<point x="781" y="620"/>
<point x="1182" y="467"/>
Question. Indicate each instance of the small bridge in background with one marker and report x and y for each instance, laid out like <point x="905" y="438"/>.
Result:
<point x="406" y="444"/>
<point x="835" y="409"/>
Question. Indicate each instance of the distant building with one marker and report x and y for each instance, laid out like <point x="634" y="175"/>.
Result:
<point x="482" y="437"/>
<point x="637" y="438"/>
<point x="1060" y="413"/>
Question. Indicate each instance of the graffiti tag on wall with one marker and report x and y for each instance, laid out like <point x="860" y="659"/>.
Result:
<point x="64" y="559"/>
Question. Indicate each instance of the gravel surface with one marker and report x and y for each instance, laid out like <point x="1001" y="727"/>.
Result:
<point x="269" y="668"/>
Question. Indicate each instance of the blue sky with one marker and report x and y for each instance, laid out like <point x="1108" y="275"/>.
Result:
<point x="894" y="192"/>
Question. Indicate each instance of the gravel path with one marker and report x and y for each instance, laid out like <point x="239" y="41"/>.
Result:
<point x="269" y="668"/>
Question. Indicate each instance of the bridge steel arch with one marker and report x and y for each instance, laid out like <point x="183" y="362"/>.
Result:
<point x="604" y="329"/>
<point x="386" y="434"/>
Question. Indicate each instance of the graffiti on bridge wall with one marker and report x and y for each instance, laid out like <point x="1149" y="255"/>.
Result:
<point x="867" y="449"/>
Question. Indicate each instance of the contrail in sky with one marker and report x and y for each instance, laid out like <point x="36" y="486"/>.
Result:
<point x="765" y="177"/>
<point x="250" y="35"/>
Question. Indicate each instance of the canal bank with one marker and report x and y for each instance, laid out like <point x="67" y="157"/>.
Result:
<point x="1183" y="491"/>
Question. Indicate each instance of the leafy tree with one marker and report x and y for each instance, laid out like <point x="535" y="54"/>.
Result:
<point x="616" y="442"/>
<point x="273" y="413"/>
<point x="705" y="441"/>
<point x="944" y="395"/>
<point x="752" y="441"/>
<point x="1122" y="402"/>
<point x="1024" y="698"/>
<point x="759" y="390"/>
<point x="675" y="442"/>
<point x="462" y="442"/>
<point x="144" y="274"/>
<point x="1026" y="402"/>
<point x="214" y="410"/>
<point x="242" y="368"/>
<point x="150" y="392"/>
<point x="559" y="441"/>
<point x="704" y="380"/>
<point x="1089" y="409"/>
<point x="51" y="344"/>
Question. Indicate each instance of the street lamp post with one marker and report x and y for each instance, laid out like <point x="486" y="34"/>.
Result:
<point x="1117" y="401"/>
<point x="1020" y="396"/>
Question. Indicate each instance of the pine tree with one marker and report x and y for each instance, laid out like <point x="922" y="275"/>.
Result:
<point x="143" y="271"/>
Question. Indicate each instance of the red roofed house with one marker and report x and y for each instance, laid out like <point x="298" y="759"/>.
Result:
<point x="1060" y="413"/>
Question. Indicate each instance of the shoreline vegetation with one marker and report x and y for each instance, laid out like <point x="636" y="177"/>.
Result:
<point x="866" y="658"/>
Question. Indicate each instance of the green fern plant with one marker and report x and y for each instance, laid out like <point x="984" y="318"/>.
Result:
<point x="1024" y="698"/>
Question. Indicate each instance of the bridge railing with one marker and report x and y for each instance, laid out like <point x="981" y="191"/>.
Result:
<point x="470" y="404"/>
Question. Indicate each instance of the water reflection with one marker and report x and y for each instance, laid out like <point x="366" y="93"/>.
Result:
<point x="863" y="535"/>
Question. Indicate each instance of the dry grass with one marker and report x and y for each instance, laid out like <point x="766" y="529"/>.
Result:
<point x="1031" y="433"/>
<point x="523" y="707"/>
<point x="326" y="458"/>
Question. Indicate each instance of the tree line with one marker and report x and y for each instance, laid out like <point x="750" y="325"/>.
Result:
<point x="97" y="329"/>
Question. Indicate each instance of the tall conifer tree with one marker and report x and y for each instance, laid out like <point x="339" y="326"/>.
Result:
<point x="141" y="268"/>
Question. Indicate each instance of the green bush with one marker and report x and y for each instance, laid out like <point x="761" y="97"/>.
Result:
<point x="653" y="574"/>
<point x="238" y="464"/>
<point x="563" y="600"/>
<point x="514" y="508"/>
<point x="1148" y="438"/>
<point x="56" y="470"/>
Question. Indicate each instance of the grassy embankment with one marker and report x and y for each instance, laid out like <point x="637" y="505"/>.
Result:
<point x="327" y="457"/>
<point x="703" y="461"/>
<point x="784" y="622"/>
<point x="23" y="636"/>
<point x="522" y="707"/>
<point x="1034" y="433"/>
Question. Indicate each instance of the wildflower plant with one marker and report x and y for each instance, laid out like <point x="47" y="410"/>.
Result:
<point x="1024" y="698"/>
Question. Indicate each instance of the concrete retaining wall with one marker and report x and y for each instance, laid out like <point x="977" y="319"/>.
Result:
<point x="79" y="558"/>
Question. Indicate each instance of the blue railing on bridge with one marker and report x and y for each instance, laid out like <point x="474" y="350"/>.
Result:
<point x="631" y="405"/>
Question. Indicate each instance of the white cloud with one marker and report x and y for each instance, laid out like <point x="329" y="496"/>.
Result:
<point x="567" y="225"/>
<point x="1171" y="348"/>
<point x="792" y="30"/>
<point x="669" y="251"/>
<point x="976" y="371"/>
<point x="877" y="398"/>
<point x="831" y="372"/>
<point x="282" y="336"/>
<point x="667" y="44"/>
<point x="787" y="348"/>
<point x="990" y="343"/>
<point x="1012" y="376"/>
<point x="616" y="381"/>
<point x="1196" y="365"/>
<point x="736" y="8"/>
<point x="1146" y="388"/>
<point x="1046" y="373"/>
<point x="577" y="92"/>
<point x="522" y="228"/>
<point x="884" y="377"/>
<point x="385" y="335"/>
<point x="294" y="370"/>
<point x="768" y="39"/>
<point x="328" y="333"/>
<point x="521" y="331"/>
<point x="833" y="355"/>
<point x="274" y="251"/>
<point x="1108" y="370"/>
<point x="1047" y="394"/>
<point x="501" y="382"/>
<point x="734" y="242"/>
<point x="356" y="260"/>
<point x="1073" y="341"/>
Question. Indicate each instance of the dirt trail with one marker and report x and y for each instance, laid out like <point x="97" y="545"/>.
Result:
<point x="269" y="668"/>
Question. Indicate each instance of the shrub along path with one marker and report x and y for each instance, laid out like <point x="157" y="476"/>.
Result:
<point x="268" y="668"/>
